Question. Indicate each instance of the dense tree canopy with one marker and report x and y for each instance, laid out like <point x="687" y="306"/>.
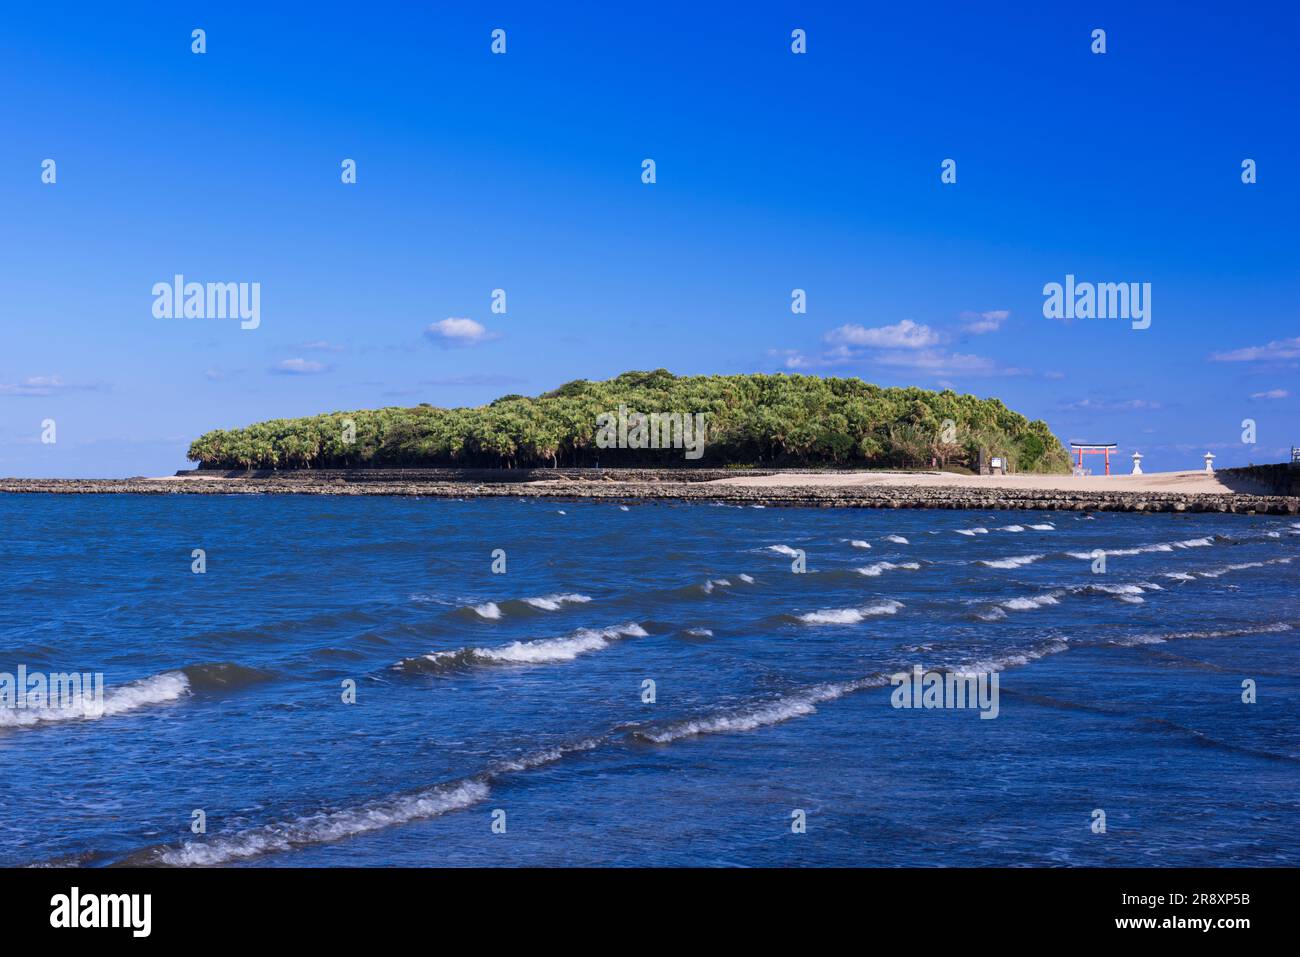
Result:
<point x="759" y="420"/>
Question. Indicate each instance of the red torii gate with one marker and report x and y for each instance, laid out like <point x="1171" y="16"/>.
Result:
<point x="1094" y="448"/>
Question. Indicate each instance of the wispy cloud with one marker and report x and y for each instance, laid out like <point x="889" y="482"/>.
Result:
<point x="45" y="385"/>
<point x="932" y="362"/>
<point x="298" y="366"/>
<point x="902" y="335"/>
<point x="979" y="323"/>
<point x="938" y="362"/>
<point x="1271" y="394"/>
<point x="455" y="331"/>
<point x="903" y="345"/>
<point x="320" y="345"/>
<point x="33" y="385"/>
<point x="216" y="374"/>
<point x="474" y="379"/>
<point x="1276" y="350"/>
<point x="1112" y="405"/>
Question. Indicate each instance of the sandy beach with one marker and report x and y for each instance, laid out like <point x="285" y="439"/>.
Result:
<point x="1190" y="482"/>
<point x="1258" y="491"/>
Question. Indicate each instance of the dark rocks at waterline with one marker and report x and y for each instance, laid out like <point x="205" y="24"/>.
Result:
<point x="623" y="491"/>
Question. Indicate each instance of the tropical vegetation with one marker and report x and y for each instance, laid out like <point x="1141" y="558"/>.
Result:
<point x="751" y="420"/>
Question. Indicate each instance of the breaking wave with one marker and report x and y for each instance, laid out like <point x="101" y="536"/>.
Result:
<point x="875" y="569"/>
<point x="783" y="549"/>
<point x="1035" y="601"/>
<point x="335" y="825"/>
<point x="759" y="715"/>
<point x="849" y="616"/>
<point x="1014" y="562"/>
<point x="492" y="611"/>
<point x="156" y="689"/>
<point x="539" y="652"/>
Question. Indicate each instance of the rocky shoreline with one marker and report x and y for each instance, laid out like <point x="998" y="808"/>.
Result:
<point x="649" y="487"/>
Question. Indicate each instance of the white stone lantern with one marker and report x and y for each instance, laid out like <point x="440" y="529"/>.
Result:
<point x="1137" y="463"/>
<point x="1209" y="461"/>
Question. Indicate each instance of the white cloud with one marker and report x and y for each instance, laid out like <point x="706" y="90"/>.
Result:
<point x="902" y="335"/>
<point x="903" y="345"/>
<point x="1272" y="394"/>
<point x="1277" y="349"/>
<point x="297" y="367"/>
<point x="979" y="323"/>
<point x="1105" y="405"/>
<point x="931" y="362"/>
<point x="474" y="379"/>
<point x="320" y="345"/>
<point x="800" y="361"/>
<point x="34" y="385"/>
<point x="459" y="332"/>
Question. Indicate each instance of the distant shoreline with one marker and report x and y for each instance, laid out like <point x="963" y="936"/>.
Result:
<point x="1233" y="491"/>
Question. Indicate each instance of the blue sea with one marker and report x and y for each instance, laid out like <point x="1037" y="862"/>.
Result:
<point x="650" y="684"/>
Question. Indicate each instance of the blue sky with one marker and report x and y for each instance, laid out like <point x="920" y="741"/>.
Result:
<point x="775" y="171"/>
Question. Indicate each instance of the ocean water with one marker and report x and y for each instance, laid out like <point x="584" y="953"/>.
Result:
<point x="519" y="697"/>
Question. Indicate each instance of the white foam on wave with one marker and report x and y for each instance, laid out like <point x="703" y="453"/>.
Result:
<point x="156" y="689"/>
<point x="1117" y="589"/>
<point x="491" y="611"/>
<point x="783" y="549"/>
<point x="760" y="715"/>
<point x="1108" y="552"/>
<point x="1146" y="549"/>
<point x="1220" y="572"/>
<point x="1025" y="603"/>
<point x="850" y="616"/>
<point x="553" y="602"/>
<point x="713" y="583"/>
<point x="700" y="632"/>
<point x="1015" y="659"/>
<point x="1130" y="592"/>
<point x="747" y="579"/>
<point x="1131" y="640"/>
<point x="1242" y="566"/>
<point x="537" y="759"/>
<point x="1179" y="576"/>
<point x="327" y="826"/>
<point x="876" y="569"/>
<point x="1015" y="562"/>
<point x="547" y="650"/>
